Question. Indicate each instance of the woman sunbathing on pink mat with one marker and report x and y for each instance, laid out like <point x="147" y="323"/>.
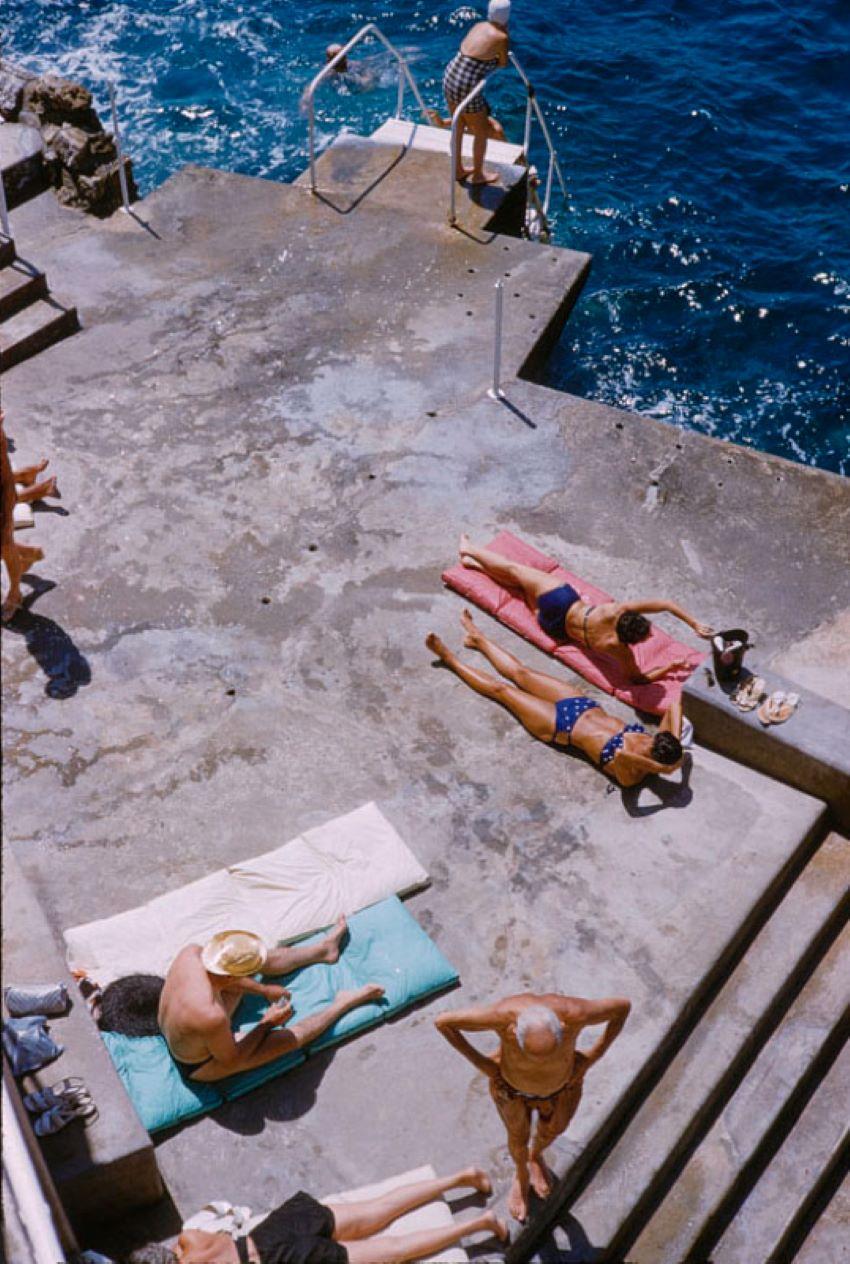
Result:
<point x="611" y="628"/>
<point x="304" y="1231"/>
<point x="552" y="712"/>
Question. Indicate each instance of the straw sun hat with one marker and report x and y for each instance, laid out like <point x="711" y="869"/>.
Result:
<point x="234" y="953"/>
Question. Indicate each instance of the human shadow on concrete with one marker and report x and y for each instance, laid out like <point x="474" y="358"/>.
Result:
<point x="282" y="1100"/>
<point x="579" y="1248"/>
<point x="669" y="794"/>
<point x="67" y="669"/>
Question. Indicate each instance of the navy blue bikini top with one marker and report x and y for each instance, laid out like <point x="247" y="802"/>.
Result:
<point x="615" y="743"/>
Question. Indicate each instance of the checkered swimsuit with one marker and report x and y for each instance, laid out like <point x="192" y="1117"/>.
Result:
<point x="462" y="74"/>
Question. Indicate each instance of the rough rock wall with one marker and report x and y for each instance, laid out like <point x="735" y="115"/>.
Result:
<point x="79" y="154"/>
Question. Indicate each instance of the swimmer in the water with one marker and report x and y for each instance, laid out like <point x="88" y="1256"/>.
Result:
<point x="354" y="74"/>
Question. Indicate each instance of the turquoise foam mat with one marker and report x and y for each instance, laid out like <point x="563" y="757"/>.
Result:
<point x="386" y="945"/>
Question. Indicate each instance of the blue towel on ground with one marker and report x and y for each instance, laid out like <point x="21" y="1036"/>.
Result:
<point x="386" y="946"/>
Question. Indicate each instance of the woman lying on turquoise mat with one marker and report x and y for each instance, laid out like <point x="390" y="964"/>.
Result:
<point x="552" y="712"/>
<point x="304" y="1231"/>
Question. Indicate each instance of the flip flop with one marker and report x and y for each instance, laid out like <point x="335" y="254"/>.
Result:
<point x="58" y="1117"/>
<point x="71" y="1090"/>
<point x="749" y="694"/>
<point x="778" y="708"/>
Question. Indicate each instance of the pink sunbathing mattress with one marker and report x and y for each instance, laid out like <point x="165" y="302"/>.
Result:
<point x="509" y="608"/>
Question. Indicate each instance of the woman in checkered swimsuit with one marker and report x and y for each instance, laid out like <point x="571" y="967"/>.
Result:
<point x="484" y="49"/>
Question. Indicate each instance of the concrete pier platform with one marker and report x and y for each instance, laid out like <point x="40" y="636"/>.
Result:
<point x="269" y="435"/>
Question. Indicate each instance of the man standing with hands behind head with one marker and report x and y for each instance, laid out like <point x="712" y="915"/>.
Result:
<point x="536" y="1068"/>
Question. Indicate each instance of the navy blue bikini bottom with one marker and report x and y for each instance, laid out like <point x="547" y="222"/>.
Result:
<point x="569" y="710"/>
<point x="552" y="610"/>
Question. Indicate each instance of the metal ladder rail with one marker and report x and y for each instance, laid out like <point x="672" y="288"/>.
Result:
<point x="405" y="77"/>
<point x="532" y="108"/>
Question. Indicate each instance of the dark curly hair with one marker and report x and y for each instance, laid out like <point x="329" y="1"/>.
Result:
<point x="632" y="627"/>
<point x="666" y="749"/>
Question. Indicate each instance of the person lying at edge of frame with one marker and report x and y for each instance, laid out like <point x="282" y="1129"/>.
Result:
<point x="611" y="628"/>
<point x="305" y="1231"/>
<point x="556" y="714"/>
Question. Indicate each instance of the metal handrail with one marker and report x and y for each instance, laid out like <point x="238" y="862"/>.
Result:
<point x="532" y="109"/>
<point x="453" y="143"/>
<point x="5" y="226"/>
<point x="404" y="77"/>
<point x="533" y="104"/>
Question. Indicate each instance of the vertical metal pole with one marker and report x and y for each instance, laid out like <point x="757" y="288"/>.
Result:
<point x="526" y="139"/>
<point x="400" y="101"/>
<point x="312" y="143"/>
<point x="122" y="175"/>
<point x="548" y="196"/>
<point x="4" y="211"/>
<point x="453" y="144"/>
<point x="495" y="391"/>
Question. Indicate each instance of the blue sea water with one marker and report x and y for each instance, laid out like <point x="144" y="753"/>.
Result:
<point x="705" y="144"/>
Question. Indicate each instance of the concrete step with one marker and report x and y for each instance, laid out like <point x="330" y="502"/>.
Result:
<point x="750" y="1129"/>
<point x="20" y="285"/>
<point x="637" y="1175"/>
<point x="438" y="140"/>
<point x="37" y="326"/>
<point x="829" y="1237"/>
<point x="109" y="1168"/>
<point x="809" y="751"/>
<point x="766" y="1218"/>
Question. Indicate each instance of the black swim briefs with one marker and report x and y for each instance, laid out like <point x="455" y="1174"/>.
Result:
<point x="299" y="1232"/>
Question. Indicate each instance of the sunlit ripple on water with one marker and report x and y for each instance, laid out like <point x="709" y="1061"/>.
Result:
<point x="705" y="149"/>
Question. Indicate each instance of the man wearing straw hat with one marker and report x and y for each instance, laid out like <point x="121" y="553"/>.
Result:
<point x="204" y="986"/>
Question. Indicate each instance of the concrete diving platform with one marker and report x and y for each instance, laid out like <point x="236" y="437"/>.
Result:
<point x="284" y="398"/>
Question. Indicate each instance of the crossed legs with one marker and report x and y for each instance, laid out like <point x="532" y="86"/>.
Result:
<point x="527" y="579"/>
<point x="357" y="1224"/>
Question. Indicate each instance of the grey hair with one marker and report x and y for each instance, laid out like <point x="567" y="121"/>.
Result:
<point x="538" y="1016"/>
<point x="153" y="1253"/>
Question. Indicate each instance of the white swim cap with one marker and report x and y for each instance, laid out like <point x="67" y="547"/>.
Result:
<point x="499" y="11"/>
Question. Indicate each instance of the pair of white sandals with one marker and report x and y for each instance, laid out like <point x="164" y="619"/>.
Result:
<point x="60" y="1105"/>
<point x="778" y="708"/>
<point x="773" y="709"/>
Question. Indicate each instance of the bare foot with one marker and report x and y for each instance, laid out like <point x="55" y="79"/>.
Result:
<point x="498" y="1226"/>
<point x="472" y="636"/>
<point x="361" y="996"/>
<point x="436" y="646"/>
<point x="465" y="556"/>
<point x="486" y="177"/>
<point x="38" y="491"/>
<point x="333" y="941"/>
<point x="540" y="1178"/>
<point x="463" y="173"/>
<point x="30" y="472"/>
<point x="476" y="1178"/>
<point x="518" y="1201"/>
